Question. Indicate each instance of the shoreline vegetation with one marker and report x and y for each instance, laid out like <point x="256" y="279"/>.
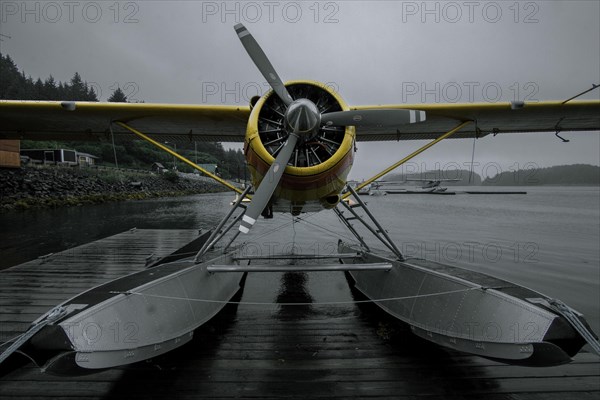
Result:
<point x="559" y="175"/>
<point x="51" y="186"/>
<point x="37" y="187"/>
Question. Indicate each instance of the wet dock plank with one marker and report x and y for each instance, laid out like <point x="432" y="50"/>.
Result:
<point x="271" y="351"/>
<point x="30" y="289"/>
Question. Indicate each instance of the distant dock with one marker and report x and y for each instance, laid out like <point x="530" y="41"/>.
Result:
<point x="449" y="192"/>
<point x="441" y="192"/>
<point x="279" y="351"/>
<point x="492" y="192"/>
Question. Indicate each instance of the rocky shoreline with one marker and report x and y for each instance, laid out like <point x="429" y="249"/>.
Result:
<point x="52" y="186"/>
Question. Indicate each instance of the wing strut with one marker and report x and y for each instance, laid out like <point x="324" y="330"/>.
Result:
<point x="180" y="157"/>
<point x="219" y="232"/>
<point x="409" y="157"/>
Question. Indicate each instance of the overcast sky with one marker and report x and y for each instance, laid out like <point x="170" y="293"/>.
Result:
<point x="370" y="52"/>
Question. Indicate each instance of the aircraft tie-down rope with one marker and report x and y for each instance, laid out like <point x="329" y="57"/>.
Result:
<point x="322" y="303"/>
<point x="349" y="238"/>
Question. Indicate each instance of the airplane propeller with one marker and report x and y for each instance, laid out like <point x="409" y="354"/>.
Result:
<point x="373" y="117"/>
<point x="302" y="119"/>
<point x="262" y="63"/>
<point x="268" y="184"/>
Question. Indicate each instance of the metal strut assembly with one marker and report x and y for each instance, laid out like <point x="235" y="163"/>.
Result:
<point x="177" y="155"/>
<point x="380" y="233"/>
<point x="569" y="314"/>
<point x="218" y="234"/>
<point x="377" y="231"/>
<point x="51" y="317"/>
<point x="346" y="222"/>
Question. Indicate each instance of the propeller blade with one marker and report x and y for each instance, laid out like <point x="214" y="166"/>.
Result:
<point x="263" y="64"/>
<point x="267" y="186"/>
<point x="373" y="117"/>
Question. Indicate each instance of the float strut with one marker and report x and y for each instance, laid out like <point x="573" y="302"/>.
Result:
<point x="379" y="232"/>
<point x="211" y="240"/>
<point x="351" y="228"/>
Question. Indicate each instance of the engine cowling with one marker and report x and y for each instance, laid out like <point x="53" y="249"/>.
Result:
<point x="321" y="160"/>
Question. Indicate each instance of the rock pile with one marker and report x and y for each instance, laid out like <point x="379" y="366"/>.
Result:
<point x="58" y="186"/>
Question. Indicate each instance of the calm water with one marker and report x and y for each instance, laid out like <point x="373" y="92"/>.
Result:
<point x="547" y="240"/>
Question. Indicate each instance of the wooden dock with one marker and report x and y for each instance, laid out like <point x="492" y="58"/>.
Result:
<point x="267" y="351"/>
<point x="29" y="290"/>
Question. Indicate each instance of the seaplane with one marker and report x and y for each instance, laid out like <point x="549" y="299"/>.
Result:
<point x="299" y="142"/>
<point x="427" y="186"/>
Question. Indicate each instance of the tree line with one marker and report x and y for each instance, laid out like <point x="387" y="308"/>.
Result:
<point x="17" y="85"/>
<point x="576" y="174"/>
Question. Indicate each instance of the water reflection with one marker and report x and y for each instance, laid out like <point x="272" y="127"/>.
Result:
<point x="294" y="290"/>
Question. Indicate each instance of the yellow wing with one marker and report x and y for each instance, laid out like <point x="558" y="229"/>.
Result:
<point x="57" y="120"/>
<point x="545" y="116"/>
<point x="90" y="120"/>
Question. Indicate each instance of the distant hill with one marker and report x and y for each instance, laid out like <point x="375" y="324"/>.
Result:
<point x="577" y="174"/>
<point x="461" y="174"/>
